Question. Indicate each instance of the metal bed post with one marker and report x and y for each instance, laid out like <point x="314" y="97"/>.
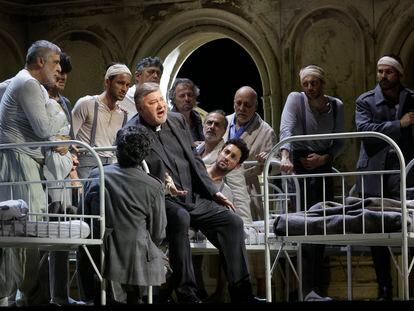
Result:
<point x="102" y="216"/>
<point x="393" y="238"/>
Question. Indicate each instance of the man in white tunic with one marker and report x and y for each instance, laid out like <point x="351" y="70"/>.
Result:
<point x="23" y="118"/>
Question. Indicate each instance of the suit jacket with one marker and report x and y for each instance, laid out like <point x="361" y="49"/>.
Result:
<point x="373" y="114"/>
<point x="158" y="162"/>
<point x="135" y="222"/>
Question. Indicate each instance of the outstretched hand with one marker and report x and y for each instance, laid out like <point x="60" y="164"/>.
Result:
<point x="171" y="188"/>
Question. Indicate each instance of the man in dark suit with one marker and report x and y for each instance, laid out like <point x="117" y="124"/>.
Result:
<point x="191" y="199"/>
<point x="387" y="109"/>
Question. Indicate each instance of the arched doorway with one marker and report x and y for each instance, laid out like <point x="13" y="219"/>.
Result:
<point x="193" y="29"/>
<point x="219" y="68"/>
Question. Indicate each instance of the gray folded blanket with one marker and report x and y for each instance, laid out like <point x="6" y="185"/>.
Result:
<point x="351" y="213"/>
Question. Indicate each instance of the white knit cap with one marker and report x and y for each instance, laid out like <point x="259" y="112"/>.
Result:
<point x="312" y="70"/>
<point x="117" y="69"/>
<point x="390" y="61"/>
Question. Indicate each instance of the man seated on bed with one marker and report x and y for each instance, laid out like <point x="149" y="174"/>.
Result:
<point x="135" y="218"/>
<point x="232" y="155"/>
<point x="194" y="201"/>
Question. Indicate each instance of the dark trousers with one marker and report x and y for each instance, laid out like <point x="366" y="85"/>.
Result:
<point x="88" y="283"/>
<point x="222" y="227"/>
<point x="382" y="264"/>
<point x="313" y="255"/>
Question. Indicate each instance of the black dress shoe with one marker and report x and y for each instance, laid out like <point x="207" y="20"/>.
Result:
<point x="185" y="298"/>
<point x="384" y="293"/>
<point x="256" y="300"/>
<point x="241" y="292"/>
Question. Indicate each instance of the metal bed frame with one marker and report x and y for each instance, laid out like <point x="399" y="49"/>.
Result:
<point x="396" y="239"/>
<point x="48" y="243"/>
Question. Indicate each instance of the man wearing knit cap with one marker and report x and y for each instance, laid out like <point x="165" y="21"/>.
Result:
<point x="305" y="113"/>
<point x="96" y="121"/>
<point x="387" y="109"/>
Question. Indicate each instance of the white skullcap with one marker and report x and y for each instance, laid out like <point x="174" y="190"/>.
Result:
<point x="390" y="61"/>
<point x="117" y="69"/>
<point x="312" y="70"/>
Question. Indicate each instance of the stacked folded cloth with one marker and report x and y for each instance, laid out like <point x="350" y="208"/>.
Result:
<point x="255" y="233"/>
<point x="14" y="221"/>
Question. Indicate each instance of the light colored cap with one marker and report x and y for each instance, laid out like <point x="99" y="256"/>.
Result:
<point x="117" y="69"/>
<point x="312" y="70"/>
<point x="390" y="61"/>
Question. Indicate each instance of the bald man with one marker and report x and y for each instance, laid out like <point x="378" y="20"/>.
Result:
<point x="245" y="123"/>
<point x="387" y="109"/>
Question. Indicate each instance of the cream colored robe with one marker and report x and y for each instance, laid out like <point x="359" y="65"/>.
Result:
<point x="259" y="137"/>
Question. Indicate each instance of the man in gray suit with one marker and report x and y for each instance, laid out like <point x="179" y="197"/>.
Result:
<point x="198" y="202"/>
<point x="135" y="217"/>
<point x="387" y="109"/>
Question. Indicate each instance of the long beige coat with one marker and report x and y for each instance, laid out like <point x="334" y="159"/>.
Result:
<point x="259" y="136"/>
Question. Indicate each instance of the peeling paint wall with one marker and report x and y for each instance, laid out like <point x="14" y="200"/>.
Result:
<point x="345" y="37"/>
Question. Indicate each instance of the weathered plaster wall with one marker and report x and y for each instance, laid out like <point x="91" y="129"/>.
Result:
<point x="344" y="37"/>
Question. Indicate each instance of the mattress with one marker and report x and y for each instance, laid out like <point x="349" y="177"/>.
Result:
<point x="74" y="229"/>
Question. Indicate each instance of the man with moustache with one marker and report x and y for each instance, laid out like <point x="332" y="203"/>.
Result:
<point x="192" y="199"/>
<point x="23" y="118"/>
<point x="246" y="123"/>
<point x="148" y="69"/>
<point x="387" y="109"/>
<point x="305" y="113"/>
<point x="183" y="98"/>
<point x="214" y="127"/>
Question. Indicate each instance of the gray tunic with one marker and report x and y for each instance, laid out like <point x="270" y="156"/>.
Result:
<point x="23" y="118"/>
<point x="316" y="123"/>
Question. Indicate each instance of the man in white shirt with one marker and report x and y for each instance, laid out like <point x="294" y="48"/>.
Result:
<point x="97" y="119"/>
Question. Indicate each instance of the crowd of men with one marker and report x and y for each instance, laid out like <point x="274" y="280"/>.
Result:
<point x="196" y="178"/>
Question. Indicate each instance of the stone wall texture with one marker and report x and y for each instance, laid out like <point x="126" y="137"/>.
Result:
<point x="345" y="37"/>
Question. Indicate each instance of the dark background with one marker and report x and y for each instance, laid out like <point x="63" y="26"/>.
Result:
<point x="219" y="68"/>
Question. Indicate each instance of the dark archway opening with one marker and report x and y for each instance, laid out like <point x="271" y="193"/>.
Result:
<point x="219" y="68"/>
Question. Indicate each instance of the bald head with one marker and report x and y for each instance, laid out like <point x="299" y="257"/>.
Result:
<point x="245" y="104"/>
